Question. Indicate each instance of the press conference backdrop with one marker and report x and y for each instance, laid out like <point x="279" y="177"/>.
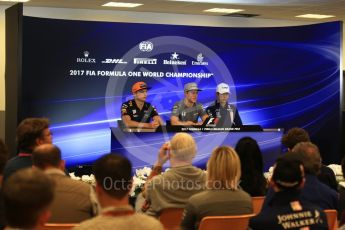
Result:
<point x="78" y="73"/>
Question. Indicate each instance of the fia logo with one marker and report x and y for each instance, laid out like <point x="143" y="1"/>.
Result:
<point x="146" y="46"/>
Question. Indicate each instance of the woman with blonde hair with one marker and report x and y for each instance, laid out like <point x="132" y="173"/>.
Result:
<point x="223" y="196"/>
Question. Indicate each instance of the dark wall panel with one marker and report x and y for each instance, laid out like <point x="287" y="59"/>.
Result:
<point x="13" y="72"/>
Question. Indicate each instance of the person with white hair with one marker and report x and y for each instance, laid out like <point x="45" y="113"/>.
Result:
<point x="175" y="186"/>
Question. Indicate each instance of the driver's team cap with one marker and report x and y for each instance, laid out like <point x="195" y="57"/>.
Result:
<point x="191" y="86"/>
<point x="223" y="88"/>
<point x="139" y="86"/>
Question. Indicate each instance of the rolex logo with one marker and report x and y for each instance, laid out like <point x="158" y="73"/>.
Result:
<point x="86" y="58"/>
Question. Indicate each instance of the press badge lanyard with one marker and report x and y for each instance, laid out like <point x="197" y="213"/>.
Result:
<point x="24" y="155"/>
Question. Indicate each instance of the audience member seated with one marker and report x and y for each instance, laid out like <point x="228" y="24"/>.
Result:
<point x="252" y="177"/>
<point x="74" y="201"/>
<point x="113" y="185"/>
<point x="327" y="176"/>
<point x="314" y="191"/>
<point x="294" y="136"/>
<point x="31" y="132"/>
<point x="173" y="188"/>
<point x="223" y="195"/>
<point x="287" y="209"/>
<point x="3" y="160"/>
<point x="297" y="135"/>
<point x="341" y="189"/>
<point x="28" y="194"/>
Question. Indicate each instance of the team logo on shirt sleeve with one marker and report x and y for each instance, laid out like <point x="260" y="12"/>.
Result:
<point x="153" y="108"/>
<point x="175" y="109"/>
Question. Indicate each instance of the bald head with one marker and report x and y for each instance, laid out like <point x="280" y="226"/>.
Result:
<point x="46" y="155"/>
<point x="183" y="147"/>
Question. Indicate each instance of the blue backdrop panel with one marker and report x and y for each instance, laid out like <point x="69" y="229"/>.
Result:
<point x="78" y="73"/>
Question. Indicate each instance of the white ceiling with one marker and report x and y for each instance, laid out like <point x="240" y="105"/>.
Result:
<point x="271" y="9"/>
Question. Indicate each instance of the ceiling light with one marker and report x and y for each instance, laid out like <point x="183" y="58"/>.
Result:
<point x="223" y="10"/>
<point x="122" y="4"/>
<point x="316" y="16"/>
<point x="252" y="2"/>
<point x="203" y="1"/>
<point x="14" y="0"/>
